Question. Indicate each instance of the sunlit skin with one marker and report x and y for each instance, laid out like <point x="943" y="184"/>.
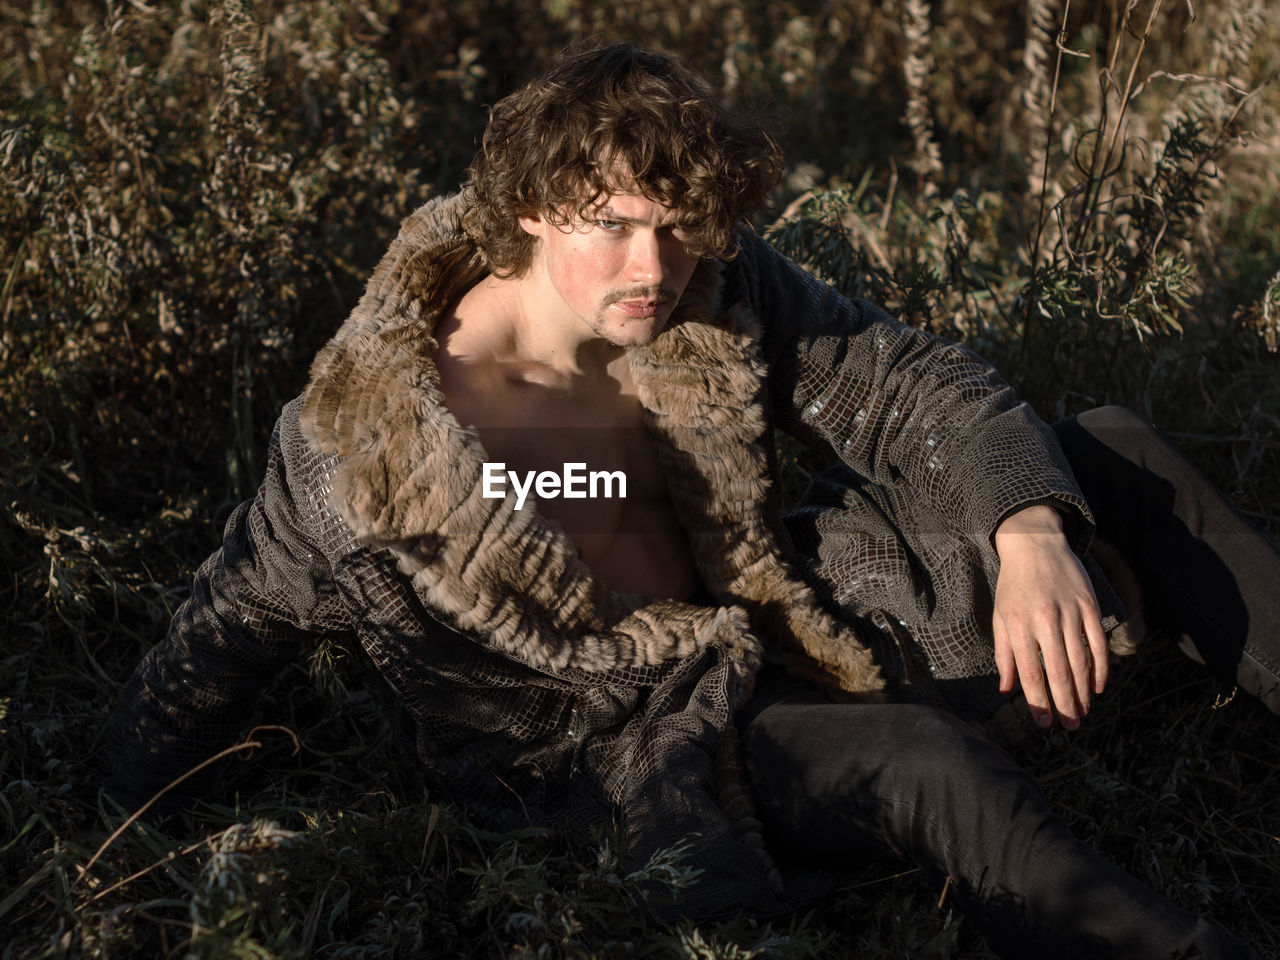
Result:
<point x="1046" y="613"/>
<point x="546" y="349"/>
<point x="537" y="364"/>
<point x="620" y="271"/>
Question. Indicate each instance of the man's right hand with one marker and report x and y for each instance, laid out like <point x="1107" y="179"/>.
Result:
<point x="1046" y="624"/>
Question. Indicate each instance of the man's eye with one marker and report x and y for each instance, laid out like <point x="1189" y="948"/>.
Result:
<point x="609" y="225"/>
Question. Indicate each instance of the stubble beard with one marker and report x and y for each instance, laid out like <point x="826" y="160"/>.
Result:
<point x="655" y="292"/>
<point x="664" y="299"/>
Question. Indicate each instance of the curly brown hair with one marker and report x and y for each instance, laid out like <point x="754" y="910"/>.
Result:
<point x="563" y="140"/>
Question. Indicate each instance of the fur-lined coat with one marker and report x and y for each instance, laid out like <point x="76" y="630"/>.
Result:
<point x="530" y="689"/>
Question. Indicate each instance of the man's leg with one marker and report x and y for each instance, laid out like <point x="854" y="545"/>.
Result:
<point x="1205" y="572"/>
<point x="841" y="783"/>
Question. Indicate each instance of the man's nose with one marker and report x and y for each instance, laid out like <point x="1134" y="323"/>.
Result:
<point x="646" y="258"/>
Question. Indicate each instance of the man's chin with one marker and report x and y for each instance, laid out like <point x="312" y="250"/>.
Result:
<point x="633" y="333"/>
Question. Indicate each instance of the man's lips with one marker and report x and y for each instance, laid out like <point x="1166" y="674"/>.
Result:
<point x="639" y="308"/>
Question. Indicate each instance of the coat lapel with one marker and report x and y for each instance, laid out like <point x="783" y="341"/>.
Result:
<point x="702" y="384"/>
<point x="410" y="482"/>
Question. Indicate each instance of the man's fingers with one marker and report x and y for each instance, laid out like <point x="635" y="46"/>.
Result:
<point x="1058" y="671"/>
<point x="1031" y="677"/>
<point x="1006" y="663"/>
<point x="1097" y="638"/>
<point x="1081" y="659"/>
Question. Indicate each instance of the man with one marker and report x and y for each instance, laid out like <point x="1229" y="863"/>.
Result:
<point x="590" y="309"/>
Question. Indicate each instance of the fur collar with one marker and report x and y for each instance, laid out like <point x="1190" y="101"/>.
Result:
<point x="410" y="482"/>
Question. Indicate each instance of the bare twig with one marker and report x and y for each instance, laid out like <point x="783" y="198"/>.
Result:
<point x="167" y="858"/>
<point x="1198" y="78"/>
<point x="1053" y="102"/>
<point x="247" y="744"/>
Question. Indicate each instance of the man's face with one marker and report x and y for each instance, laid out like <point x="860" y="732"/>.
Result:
<point x="620" y="269"/>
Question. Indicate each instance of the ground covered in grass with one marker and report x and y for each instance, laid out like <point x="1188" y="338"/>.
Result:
<point x="190" y="197"/>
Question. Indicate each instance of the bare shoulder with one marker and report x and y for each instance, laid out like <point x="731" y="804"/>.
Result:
<point x="472" y="344"/>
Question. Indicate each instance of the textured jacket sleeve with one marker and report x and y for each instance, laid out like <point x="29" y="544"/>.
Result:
<point x="901" y="406"/>
<point x="251" y="603"/>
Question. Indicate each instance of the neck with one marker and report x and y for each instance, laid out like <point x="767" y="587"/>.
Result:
<point x="542" y="332"/>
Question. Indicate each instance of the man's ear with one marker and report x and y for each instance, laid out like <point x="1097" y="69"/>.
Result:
<point x="533" y="226"/>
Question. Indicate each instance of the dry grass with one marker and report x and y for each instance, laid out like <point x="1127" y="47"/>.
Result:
<point x="192" y="195"/>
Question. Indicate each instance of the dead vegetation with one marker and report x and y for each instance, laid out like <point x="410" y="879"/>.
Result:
<point x="192" y="195"/>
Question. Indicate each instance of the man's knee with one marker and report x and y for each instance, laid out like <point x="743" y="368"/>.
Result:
<point x="1108" y="447"/>
<point x="1119" y="427"/>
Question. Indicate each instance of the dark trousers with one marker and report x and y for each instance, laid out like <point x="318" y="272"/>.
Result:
<point x="838" y="783"/>
<point x="1206" y="574"/>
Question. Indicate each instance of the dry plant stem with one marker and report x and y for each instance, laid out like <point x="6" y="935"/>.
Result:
<point x="1101" y="181"/>
<point x="1119" y="26"/>
<point x="167" y="858"/>
<point x="1189" y="77"/>
<point x="1117" y="31"/>
<point x="247" y="744"/>
<point x="1027" y="320"/>
<point x="889" y="195"/>
<point x="1128" y="85"/>
<point x="1053" y="103"/>
<point x="879" y="880"/>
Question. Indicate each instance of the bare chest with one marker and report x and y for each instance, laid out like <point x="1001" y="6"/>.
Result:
<point x="582" y="458"/>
